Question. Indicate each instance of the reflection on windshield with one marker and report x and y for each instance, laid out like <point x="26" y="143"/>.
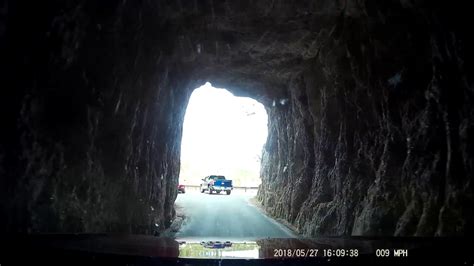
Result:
<point x="237" y="250"/>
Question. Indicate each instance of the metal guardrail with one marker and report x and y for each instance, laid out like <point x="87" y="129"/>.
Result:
<point x="235" y="187"/>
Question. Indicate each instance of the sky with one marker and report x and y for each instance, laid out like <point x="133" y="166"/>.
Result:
<point x="223" y="134"/>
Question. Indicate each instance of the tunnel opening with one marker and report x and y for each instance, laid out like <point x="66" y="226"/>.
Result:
<point x="222" y="146"/>
<point x="224" y="135"/>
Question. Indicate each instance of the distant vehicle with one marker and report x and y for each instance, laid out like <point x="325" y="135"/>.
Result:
<point x="181" y="188"/>
<point x="216" y="183"/>
<point x="217" y="244"/>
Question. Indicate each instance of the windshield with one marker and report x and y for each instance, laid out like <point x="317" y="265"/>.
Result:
<point x="255" y="129"/>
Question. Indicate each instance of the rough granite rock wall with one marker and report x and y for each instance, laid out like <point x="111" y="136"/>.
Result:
<point x="376" y="138"/>
<point x="91" y="125"/>
<point x="370" y="123"/>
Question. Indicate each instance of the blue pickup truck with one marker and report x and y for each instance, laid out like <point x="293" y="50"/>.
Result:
<point x="216" y="183"/>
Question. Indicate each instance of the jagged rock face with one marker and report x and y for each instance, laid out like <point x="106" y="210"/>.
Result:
<point x="370" y="123"/>
<point x="91" y="121"/>
<point x="376" y="138"/>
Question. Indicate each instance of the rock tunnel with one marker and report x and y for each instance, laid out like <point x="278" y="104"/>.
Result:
<point x="369" y="105"/>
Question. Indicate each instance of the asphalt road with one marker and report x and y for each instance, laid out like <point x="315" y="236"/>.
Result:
<point x="229" y="217"/>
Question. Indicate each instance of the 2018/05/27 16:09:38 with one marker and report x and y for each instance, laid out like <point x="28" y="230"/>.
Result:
<point x="301" y="253"/>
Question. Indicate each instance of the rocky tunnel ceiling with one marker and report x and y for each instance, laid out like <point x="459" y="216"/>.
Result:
<point x="369" y="104"/>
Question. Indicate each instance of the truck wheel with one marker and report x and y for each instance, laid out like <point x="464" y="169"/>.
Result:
<point x="202" y="190"/>
<point x="228" y="192"/>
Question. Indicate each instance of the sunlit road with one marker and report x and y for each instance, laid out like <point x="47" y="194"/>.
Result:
<point x="224" y="216"/>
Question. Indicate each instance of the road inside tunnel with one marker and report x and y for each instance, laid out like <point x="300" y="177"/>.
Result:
<point x="226" y="218"/>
